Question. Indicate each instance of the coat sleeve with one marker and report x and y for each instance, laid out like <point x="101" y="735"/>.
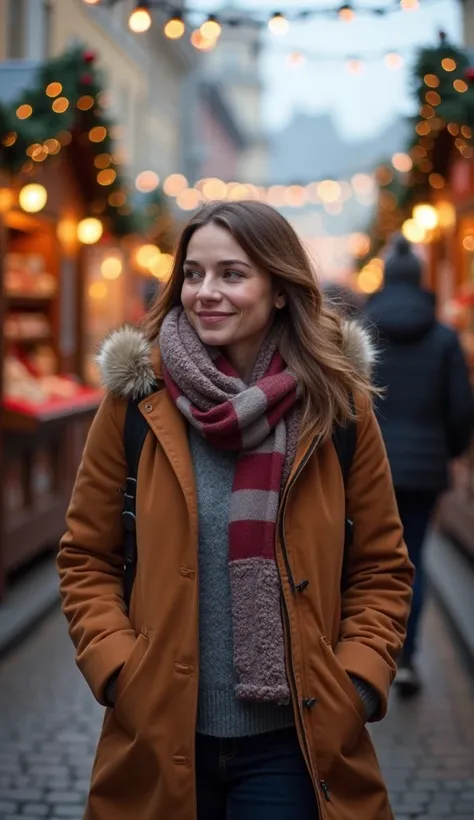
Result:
<point x="90" y="559"/>
<point x="377" y="594"/>
<point x="459" y="401"/>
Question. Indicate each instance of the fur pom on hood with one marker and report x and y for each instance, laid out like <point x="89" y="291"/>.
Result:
<point x="128" y="370"/>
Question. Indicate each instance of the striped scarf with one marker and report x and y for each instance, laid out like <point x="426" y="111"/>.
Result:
<point x="261" y="420"/>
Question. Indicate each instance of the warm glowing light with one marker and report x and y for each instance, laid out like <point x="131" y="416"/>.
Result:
<point x="7" y="199"/>
<point x="312" y="192"/>
<point x="65" y="137"/>
<point x="276" y="195"/>
<point x="423" y="128"/>
<point x="448" y="64"/>
<point x="402" y="162"/>
<point x="98" y="133"/>
<point x="174" y="28"/>
<point x="355" y="66"/>
<point x="412" y="231"/>
<point x="53" y="89"/>
<point x="363" y="184"/>
<point x="200" y="42"/>
<point x="237" y="190"/>
<point x="211" y="29"/>
<point x="425" y="216"/>
<point x="431" y="80"/>
<point x="89" y="230"/>
<point x="359" y="244"/>
<point x="370" y="277"/>
<point x="296" y="196"/>
<point x="188" y="199"/>
<point x="66" y="232"/>
<point x="92" y="2"/>
<point x="147" y="255"/>
<point x="97" y="290"/>
<point x="52" y="146"/>
<point x="39" y="153"/>
<point x="383" y="175"/>
<point x="107" y="176"/>
<point x="162" y="267"/>
<point x="33" y="198"/>
<point x="102" y="161"/>
<point x="393" y="60"/>
<point x="436" y="181"/>
<point x="214" y="188"/>
<point x="174" y="184"/>
<point x="466" y="131"/>
<point x="24" y="111"/>
<point x="85" y="103"/>
<point x="427" y="111"/>
<point x="140" y="19"/>
<point x="409" y="5"/>
<point x="117" y="199"/>
<point x="295" y="59"/>
<point x="329" y="190"/>
<point x="346" y="14"/>
<point x="278" y="24"/>
<point x="460" y="85"/>
<point x="60" y="105"/>
<point x="111" y="267"/>
<point x="147" y="181"/>
<point x="10" y="139"/>
<point x="432" y="97"/>
<point x="446" y="214"/>
<point x="468" y="243"/>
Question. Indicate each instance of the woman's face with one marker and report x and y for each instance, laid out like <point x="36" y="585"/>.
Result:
<point x="228" y="300"/>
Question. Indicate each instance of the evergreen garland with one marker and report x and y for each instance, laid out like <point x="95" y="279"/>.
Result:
<point x="81" y="94"/>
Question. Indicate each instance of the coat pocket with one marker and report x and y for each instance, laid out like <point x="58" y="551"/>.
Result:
<point x="353" y="707"/>
<point x="126" y="700"/>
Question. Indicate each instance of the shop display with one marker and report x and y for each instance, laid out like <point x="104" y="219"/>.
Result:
<point x="26" y="276"/>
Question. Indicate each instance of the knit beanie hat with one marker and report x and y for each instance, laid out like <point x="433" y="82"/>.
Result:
<point x="402" y="265"/>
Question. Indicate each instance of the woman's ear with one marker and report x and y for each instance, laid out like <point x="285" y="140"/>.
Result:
<point x="280" y="301"/>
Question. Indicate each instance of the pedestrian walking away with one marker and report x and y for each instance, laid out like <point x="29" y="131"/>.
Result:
<point x="256" y="627"/>
<point x="426" y="414"/>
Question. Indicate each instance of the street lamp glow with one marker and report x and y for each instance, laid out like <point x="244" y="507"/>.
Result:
<point x="140" y="19"/>
<point x="89" y="230"/>
<point x="33" y="198"/>
<point x="425" y="216"/>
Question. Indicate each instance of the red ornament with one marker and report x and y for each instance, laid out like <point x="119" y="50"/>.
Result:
<point x="86" y="79"/>
<point x="89" y="57"/>
<point x="469" y="74"/>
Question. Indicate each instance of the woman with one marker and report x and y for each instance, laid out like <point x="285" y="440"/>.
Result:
<point x="240" y="681"/>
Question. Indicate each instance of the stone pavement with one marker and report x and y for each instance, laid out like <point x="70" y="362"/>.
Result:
<point x="49" y="725"/>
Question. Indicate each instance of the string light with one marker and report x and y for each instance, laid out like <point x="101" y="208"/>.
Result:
<point x="60" y="105"/>
<point x="355" y="66"/>
<point x="409" y="5"/>
<point x="174" y="184"/>
<point x="33" y="198"/>
<point x="295" y="59"/>
<point x="448" y="64"/>
<point x="24" y="111"/>
<point x="431" y="80"/>
<point x="211" y="29"/>
<point x="393" y="60"/>
<point x="200" y="42"/>
<point x="278" y="24"/>
<point x="147" y="181"/>
<point x="98" y="133"/>
<point x="412" y="231"/>
<point x="89" y="230"/>
<point x="85" y="103"/>
<point x="346" y="13"/>
<point x="53" y="89"/>
<point x="140" y="18"/>
<point x="107" y="176"/>
<point x="460" y="85"/>
<point x="175" y="27"/>
<point x="402" y="162"/>
<point x="92" y="2"/>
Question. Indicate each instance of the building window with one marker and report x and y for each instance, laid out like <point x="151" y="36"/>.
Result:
<point x="16" y="30"/>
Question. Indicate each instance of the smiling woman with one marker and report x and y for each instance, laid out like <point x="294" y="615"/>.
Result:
<point x="256" y="646"/>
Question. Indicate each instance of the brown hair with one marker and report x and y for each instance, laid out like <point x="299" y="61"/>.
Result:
<point x="311" y="342"/>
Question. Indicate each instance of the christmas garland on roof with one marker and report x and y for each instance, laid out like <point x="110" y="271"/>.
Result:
<point x="67" y="110"/>
<point x="443" y="87"/>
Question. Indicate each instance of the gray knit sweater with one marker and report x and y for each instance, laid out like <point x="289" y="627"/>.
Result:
<point x="220" y="713"/>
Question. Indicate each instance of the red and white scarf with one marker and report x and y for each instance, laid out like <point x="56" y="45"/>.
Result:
<point x="261" y="420"/>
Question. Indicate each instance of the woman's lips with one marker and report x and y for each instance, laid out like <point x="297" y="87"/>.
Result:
<point x="213" y="318"/>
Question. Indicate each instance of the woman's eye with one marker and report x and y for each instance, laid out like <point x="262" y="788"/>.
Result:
<point x="233" y="274"/>
<point x="191" y="275"/>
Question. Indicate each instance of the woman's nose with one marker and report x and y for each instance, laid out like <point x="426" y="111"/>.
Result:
<point x="208" y="289"/>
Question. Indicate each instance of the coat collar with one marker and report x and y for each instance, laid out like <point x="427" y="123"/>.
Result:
<point x="130" y="365"/>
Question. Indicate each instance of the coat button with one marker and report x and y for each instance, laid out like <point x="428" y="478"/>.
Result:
<point x="148" y="408"/>
<point x="308" y="703"/>
<point x="302" y="585"/>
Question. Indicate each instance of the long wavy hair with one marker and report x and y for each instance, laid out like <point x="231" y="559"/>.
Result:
<point x="311" y="341"/>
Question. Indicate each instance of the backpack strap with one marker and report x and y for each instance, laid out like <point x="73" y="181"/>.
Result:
<point x="345" y="443"/>
<point x="134" y="434"/>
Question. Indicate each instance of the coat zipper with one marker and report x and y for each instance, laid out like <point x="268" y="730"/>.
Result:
<point x="291" y="579"/>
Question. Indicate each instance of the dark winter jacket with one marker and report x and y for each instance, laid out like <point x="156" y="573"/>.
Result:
<point x="427" y="413"/>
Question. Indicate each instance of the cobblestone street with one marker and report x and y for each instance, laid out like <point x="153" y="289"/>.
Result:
<point x="50" y="722"/>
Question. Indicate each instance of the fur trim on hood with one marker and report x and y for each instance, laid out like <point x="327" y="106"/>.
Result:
<point x="126" y="359"/>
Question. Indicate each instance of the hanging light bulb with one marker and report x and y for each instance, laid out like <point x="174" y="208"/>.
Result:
<point x="346" y="13"/>
<point x="278" y="24"/>
<point x="140" y="18"/>
<point x="175" y="27"/>
<point x="92" y="2"/>
<point x="211" y="29"/>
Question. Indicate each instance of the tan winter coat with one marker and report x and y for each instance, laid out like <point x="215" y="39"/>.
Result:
<point x="145" y="766"/>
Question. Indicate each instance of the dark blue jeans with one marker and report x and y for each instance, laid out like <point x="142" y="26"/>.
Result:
<point x="416" y="509"/>
<point x="263" y="777"/>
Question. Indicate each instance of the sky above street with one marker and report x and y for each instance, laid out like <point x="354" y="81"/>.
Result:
<point x="361" y="103"/>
